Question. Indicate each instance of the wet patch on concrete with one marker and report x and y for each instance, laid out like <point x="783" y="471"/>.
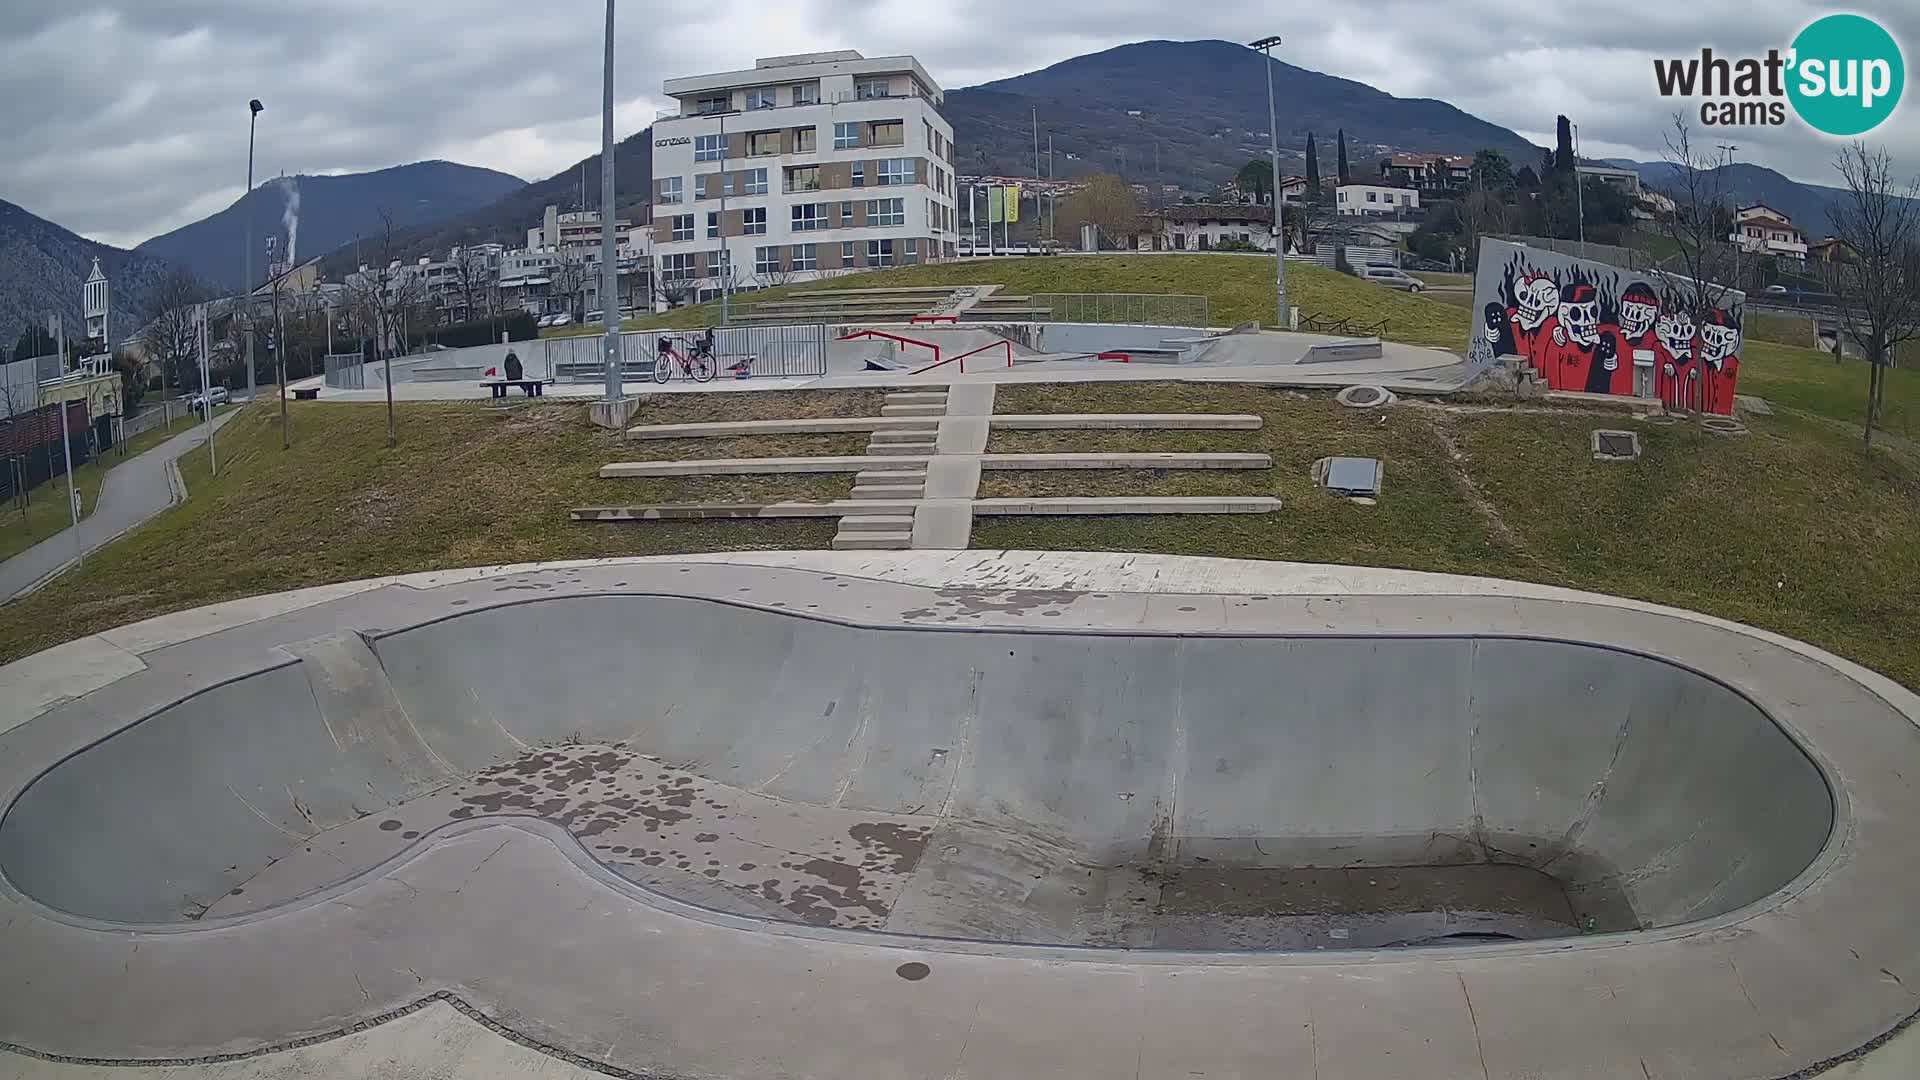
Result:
<point x="666" y="828"/>
<point x="952" y="603"/>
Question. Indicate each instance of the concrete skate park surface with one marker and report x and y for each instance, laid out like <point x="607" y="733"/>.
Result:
<point x="970" y="813"/>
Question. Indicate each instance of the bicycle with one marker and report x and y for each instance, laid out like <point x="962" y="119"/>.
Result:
<point x="696" y="363"/>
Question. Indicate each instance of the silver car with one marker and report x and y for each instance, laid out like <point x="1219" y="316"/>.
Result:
<point x="1392" y="277"/>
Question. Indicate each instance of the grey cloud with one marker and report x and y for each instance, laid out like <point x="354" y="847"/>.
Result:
<point x="128" y="117"/>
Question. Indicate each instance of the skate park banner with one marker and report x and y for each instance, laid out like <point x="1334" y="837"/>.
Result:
<point x="1588" y="326"/>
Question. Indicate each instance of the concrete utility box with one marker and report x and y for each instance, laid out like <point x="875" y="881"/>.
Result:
<point x="1354" y="477"/>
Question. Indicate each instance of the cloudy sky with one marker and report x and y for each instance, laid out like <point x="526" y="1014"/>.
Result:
<point x="126" y="118"/>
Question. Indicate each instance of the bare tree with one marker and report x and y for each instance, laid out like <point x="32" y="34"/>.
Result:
<point x="1107" y="203"/>
<point x="476" y="279"/>
<point x="1698" y="226"/>
<point x="677" y="291"/>
<point x="569" y="275"/>
<point x="385" y="300"/>
<point x="1878" y="288"/>
<point x="1482" y="213"/>
<point x="172" y="332"/>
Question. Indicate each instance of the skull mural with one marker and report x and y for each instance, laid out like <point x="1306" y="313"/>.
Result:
<point x="1638" y="310"/>
<point x="1676" y="333"/>
<point x="1719" y="338"/>
<point x="1537" y="299"/>
<point x="1579" y="314"/>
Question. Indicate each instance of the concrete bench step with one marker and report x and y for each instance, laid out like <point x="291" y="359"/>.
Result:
<point x="838" y="508"/>
<point x="905" y="435"/>
<point x="849" y="463"/>
<point x="887" y="449"/>
<point x="1128" y="505"/>
<point x="885" y="477"/>
<point x="888" y="491"/>
<point x="873" y="542"/>
<point x="917" y="397"/>
<point x="809" y="426"/>
<point x="884" y="523"/>
<point x="1126" y="421"/>
<point x="914" y="410"/>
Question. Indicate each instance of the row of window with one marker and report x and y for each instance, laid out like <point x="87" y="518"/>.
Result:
<point x="807" y="217"/>
<point x="808" y="93"/>
<point x="685" y="266"/>
<point x="805" y="140"/>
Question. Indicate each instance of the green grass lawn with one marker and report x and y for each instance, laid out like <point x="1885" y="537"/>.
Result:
<point x="1808" y="380"/>
<point x="46" y="514"/>
<point x="1239" y="289"/>
<point x="1790" y="528"/>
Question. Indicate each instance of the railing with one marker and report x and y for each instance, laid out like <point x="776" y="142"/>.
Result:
<point x="763" y="352"/>
<point x="868" y="335"/>
<point x="1149" y="309"/>
<point x="346" y="371"/>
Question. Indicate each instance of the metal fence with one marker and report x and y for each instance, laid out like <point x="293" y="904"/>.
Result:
<point x="1151" y="309"/>
<point x="769" y="351"/>
<point x="346" y="371"/>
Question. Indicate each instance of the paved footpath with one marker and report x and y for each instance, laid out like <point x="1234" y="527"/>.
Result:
<point x="134" y="490"/>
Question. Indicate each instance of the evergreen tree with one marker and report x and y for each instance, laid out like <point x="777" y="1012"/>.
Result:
<point x="1313" y="168"/>
<point x="1563" y="150"/>
<point x="1345" y="176"/>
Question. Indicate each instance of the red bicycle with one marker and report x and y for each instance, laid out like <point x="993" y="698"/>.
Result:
<point x="696" y="362"/>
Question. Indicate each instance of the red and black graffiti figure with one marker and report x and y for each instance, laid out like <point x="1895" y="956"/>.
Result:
<point x="1719" y="366"/>
<point x="1635" y="342"/>
<point x="1582" y="355"/>
<point x="1675" y="380"/>
<point x="1532" y="319"/>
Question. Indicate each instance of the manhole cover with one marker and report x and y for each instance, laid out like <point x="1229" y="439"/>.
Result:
<point x="1723" y="425"/>
<point x="1364" y="397"/>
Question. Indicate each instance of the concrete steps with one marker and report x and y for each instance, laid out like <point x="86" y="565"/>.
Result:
<point x="935" y="411"/>
<point x="904" y="435"/>
<point x="877" y="523"/>
<point x="891" y="541"/>
<point x="916" y="397"/>
<point x="887" y="491"/>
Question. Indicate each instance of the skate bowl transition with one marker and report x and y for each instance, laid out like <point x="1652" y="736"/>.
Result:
<point x="1540" y="804"/>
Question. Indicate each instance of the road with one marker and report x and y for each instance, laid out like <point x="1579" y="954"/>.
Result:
<point x="132" y="492"/>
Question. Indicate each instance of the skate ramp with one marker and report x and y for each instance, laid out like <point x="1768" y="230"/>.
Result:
<point x="1101" y="789"/>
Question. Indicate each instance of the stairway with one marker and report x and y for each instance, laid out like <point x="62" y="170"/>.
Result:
<point x="890" y="528"/>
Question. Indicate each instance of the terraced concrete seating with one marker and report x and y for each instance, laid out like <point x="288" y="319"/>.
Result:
<point x="1125" y="421"/>
<point x="917" y="463"/>
<point x="841" y="508"/>
<point x="821" y="425"/>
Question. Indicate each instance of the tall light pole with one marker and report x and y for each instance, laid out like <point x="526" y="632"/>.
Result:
<point x="1738" y="241"/>
<point x="1579" y="191"/>
<point x="609" y="253"/>
<point x="725" y="270"/>
<point x="1265" y="46"/>
<point x="254" y="109"/>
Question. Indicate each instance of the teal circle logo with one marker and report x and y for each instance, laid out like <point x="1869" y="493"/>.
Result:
<point x="1847" y="74"/>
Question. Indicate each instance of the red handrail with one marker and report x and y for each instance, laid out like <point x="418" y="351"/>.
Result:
<point x="963" y="356"/>
<point x="918" y="319"/>
<point x="898" y="338"/>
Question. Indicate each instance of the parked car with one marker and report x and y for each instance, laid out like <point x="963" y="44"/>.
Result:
<point x="561" y="319"/>
<point x="1392" y="277"/>
<point x="1775" y="290"/>
<point x="217" y="395"/>
<point x="546" y="320"/>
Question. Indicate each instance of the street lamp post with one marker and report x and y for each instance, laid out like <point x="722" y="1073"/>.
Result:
<point x="1738" y="243"/>
<point x="1265" y="46"/>
<point x="1579" y="191"/>
<point x="609" y="253"/>
<point x="254" y="109"/>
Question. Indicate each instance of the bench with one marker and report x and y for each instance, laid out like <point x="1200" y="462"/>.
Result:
<point x="306" y="393"/>
<point x="533" y="387"/>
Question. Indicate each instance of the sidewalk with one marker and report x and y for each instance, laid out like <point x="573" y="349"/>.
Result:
<point x="133" y="491"/>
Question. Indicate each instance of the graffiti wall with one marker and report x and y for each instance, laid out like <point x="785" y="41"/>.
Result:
<point x="1587" y="326"/>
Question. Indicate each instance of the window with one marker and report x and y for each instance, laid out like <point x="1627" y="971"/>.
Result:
<point x="933" y="143"/>
<point x="886" y="211"/>
<point x="683" y="227"/>
<point x="846" y="252"/>
<point x="896" y="171"/>
<point x="912" y="253"/>
<point x="804" y="257"/>
<point x="879" y="253"/>
<point x="756" y="181"/>
<point x="762" y="97"/>
<point x="754" y="220"/>
<point x="806" y="93"/>
<point x="846" y="136"/>
<point x="677" y="267"/>
<point x="762" y="143"/>
<point x="889" y="133"/>
<point x="846" y="215"/>
<point x="726" y="183"/>
<point x="871" y="88"/>
<point x="709" y="147"/>
<point x="713" y="224"/>
<point x="859" y="174"/>
<point x="1370" y="196"/>
<point x="766" y="260"/>
<point x="808" y="217"/>
<point x="717" y="104"/>
<point x="670" y="191"/>
<point x="803" y="140"/>
<point x="803" y="178"/>
<point x="933" y="216"/>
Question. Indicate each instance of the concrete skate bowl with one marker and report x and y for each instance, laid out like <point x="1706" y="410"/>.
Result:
<point x="1268" y="793"/>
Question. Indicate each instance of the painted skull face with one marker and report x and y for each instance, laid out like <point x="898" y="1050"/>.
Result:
<point x="1580" y="314"/>
<point x="1636" y="317"/>
<point x="1717" y="342"/>
<point x="1537" y="299"/>
<point x="1676" y="333"/>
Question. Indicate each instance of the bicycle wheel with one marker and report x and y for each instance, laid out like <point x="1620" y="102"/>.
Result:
<point x="662" y="367"/>
<point x="702" y="369"/>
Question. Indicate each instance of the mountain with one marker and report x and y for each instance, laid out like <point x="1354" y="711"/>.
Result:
<point x="506" y="220"/>
<point x="1202" y="112"/>
<point x="42" y="266"/>
<point x="1806" y="204"/>
<point x="315" y="214"/>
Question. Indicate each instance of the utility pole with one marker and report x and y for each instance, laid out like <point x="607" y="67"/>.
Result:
<point x="1281" y="314"/>
<point x="279" y="366"/>
<point x="213" y="461"/>
<point x="1738" y="241"/>
<point x="59" y="331"/>
<point x="1579" y="191"/>
<point x="725" y="270"/>
<point x="609" y="253"/>
<point x="1036" y="164"/>
<point x="254" y="108"/>
<point x="1053" y="197"/>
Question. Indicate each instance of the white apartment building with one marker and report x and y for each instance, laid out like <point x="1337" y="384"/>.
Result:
<point x="804" y="166"/>
<point x="1374" y="199"/>
<point x="1761" y="230"/>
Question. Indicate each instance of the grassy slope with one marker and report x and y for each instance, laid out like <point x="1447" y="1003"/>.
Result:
<point x="469" y="485"/>
<point x="1790" y="528"/>
<point x="1239" y="289"/>
<point x="46" y="514"/>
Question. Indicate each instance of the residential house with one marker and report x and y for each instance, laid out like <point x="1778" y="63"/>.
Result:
<point x="1361" y="199"/>
<point x="1428" y="172"/>
<point x="1761" y="230"/>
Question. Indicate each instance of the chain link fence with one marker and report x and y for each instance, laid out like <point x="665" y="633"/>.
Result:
<point x="1147" y="309"/>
